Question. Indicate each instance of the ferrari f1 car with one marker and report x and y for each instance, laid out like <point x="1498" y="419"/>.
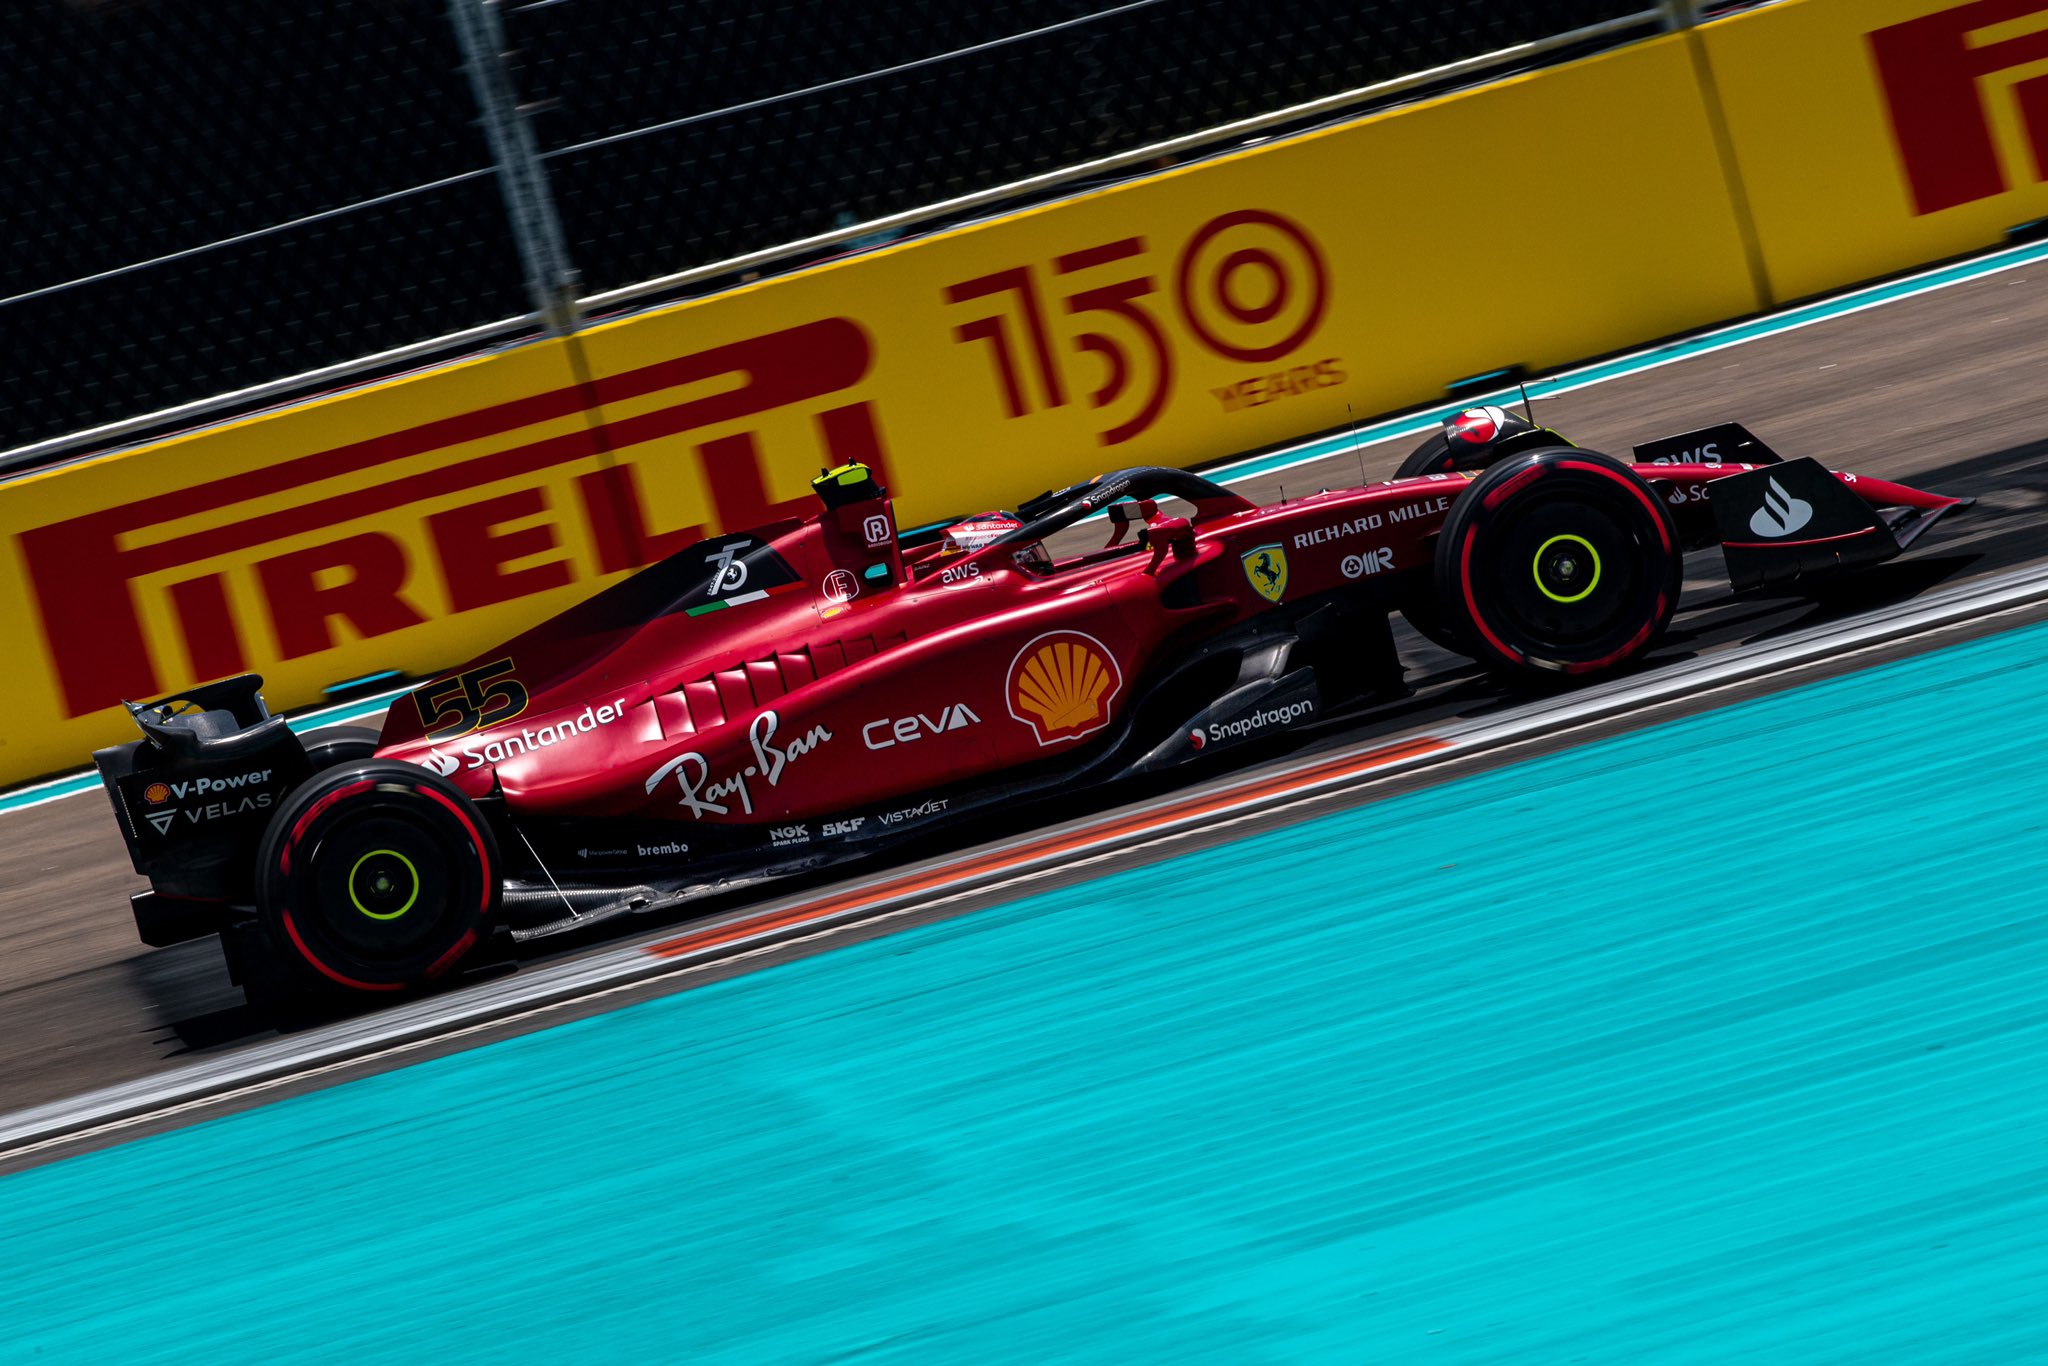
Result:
<point x="772" y="700"/>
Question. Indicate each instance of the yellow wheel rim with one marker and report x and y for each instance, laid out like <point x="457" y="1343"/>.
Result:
<point x="384" y="885"/>
<point x="1591" y="583"/>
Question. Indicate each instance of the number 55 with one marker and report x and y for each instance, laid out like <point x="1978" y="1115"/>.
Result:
<point x="483" y="696"/>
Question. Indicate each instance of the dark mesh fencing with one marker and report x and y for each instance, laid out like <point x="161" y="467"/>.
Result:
<point x="663" y="201"/>
<point x="136" y="129"/>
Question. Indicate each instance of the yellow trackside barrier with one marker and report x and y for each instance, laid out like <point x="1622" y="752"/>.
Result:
<point x="1875" y="135"/>
<point x="1206" y="311"/>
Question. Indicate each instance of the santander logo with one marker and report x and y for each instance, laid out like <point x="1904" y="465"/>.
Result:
<point x="1781" y="514"/>
<point x="438" y="762"/>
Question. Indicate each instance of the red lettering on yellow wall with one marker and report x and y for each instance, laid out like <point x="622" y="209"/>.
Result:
<point x="1250" y="286"/>
<point x="83" y="571"/>
<point x="1930" y="71"/>
<point x="618" y="523"/>
<point x="474" y="551"/>
<point x="208" y="625"/>
<point x="367" y="597"/>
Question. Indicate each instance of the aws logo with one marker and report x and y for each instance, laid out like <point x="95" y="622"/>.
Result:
<point x="1062" y="684"/>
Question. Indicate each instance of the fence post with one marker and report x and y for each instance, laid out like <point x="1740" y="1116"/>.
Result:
<point x="1680" y="14"/>
<point x="536" y="227"/>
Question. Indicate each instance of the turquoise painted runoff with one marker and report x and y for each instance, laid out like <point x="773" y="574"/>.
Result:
<point x="1511" y="1069"/>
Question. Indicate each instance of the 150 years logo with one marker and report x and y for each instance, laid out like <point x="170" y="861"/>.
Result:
<point x="1249" y="287"/>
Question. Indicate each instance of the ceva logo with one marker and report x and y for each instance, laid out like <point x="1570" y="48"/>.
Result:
<point x="1781" y="514"/>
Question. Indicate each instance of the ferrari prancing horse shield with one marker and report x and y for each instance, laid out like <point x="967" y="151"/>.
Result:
<point x="1266" y="567"/>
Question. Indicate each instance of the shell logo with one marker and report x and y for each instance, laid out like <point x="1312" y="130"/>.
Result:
<point x="156" y="794"/>
<point x="1062" y="684"/>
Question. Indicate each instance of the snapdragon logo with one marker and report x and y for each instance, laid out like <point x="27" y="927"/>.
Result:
<point x="1259" y="720"/>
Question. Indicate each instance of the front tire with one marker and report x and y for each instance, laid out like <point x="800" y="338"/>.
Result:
<point x="375" y="876"/>
<point x="1558" y="564"/>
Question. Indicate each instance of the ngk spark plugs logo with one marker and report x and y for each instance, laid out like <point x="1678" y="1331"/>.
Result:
<point x="377" y="546"/>
<point x="1940" y="75"/>
<point x="1106" y="323"/>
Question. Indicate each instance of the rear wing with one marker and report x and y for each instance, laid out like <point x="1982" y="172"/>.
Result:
<point x="1726" y="443"/>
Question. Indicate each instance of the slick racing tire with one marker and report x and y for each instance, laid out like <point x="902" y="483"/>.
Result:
<point x="375" y="875"/>
<point x="331" y="745"/>
<point x="1557" y="564"/>
<point x="1433" y="456"/>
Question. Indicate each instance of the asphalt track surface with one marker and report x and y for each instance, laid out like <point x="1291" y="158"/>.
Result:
<point x="1944" y="390"/>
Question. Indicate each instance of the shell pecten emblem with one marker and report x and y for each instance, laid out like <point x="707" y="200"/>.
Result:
<point x="1062" y="684"/>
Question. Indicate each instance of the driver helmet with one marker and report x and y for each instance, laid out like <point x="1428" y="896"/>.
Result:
<point x="965" y="537"/>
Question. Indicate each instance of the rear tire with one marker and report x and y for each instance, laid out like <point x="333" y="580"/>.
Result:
<point x="331" y="745"/>
<point x="1557" y="564"/>
<point x="375" y="876"/>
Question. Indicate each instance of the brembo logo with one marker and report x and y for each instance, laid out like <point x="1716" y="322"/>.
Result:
<point x="1781" y="514"/>
<point x="1931" y="69"/>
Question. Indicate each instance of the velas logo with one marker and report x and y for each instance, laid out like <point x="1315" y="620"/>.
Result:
<point x="1063" y="685"/>
<point x="1937" y="75"/>
<point x="156" y="794"/>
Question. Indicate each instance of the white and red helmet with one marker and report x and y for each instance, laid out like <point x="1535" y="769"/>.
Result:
<point x="971" y="534"/>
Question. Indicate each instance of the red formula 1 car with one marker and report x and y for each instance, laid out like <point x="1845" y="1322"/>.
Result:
<point x="772" y="700"/>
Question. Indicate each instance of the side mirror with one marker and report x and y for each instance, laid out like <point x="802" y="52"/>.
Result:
<point x="1169" y="535"/>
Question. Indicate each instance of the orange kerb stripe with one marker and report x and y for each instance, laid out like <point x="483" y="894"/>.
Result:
<point x="1071" y="842"/>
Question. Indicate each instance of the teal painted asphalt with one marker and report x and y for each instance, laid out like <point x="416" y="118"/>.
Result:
<point x="1515" y="1068"/>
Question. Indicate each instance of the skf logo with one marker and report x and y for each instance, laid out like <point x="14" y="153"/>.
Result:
<point x="1931" y="68"/>
<point x="1265" y="566"/>
<point x="1062" y="684"/>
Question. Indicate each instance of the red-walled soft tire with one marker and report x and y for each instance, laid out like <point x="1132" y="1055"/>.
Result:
<point x="376" y="876"/>
<point x="1558" y="565"/>
<point x="331" y="745"/>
